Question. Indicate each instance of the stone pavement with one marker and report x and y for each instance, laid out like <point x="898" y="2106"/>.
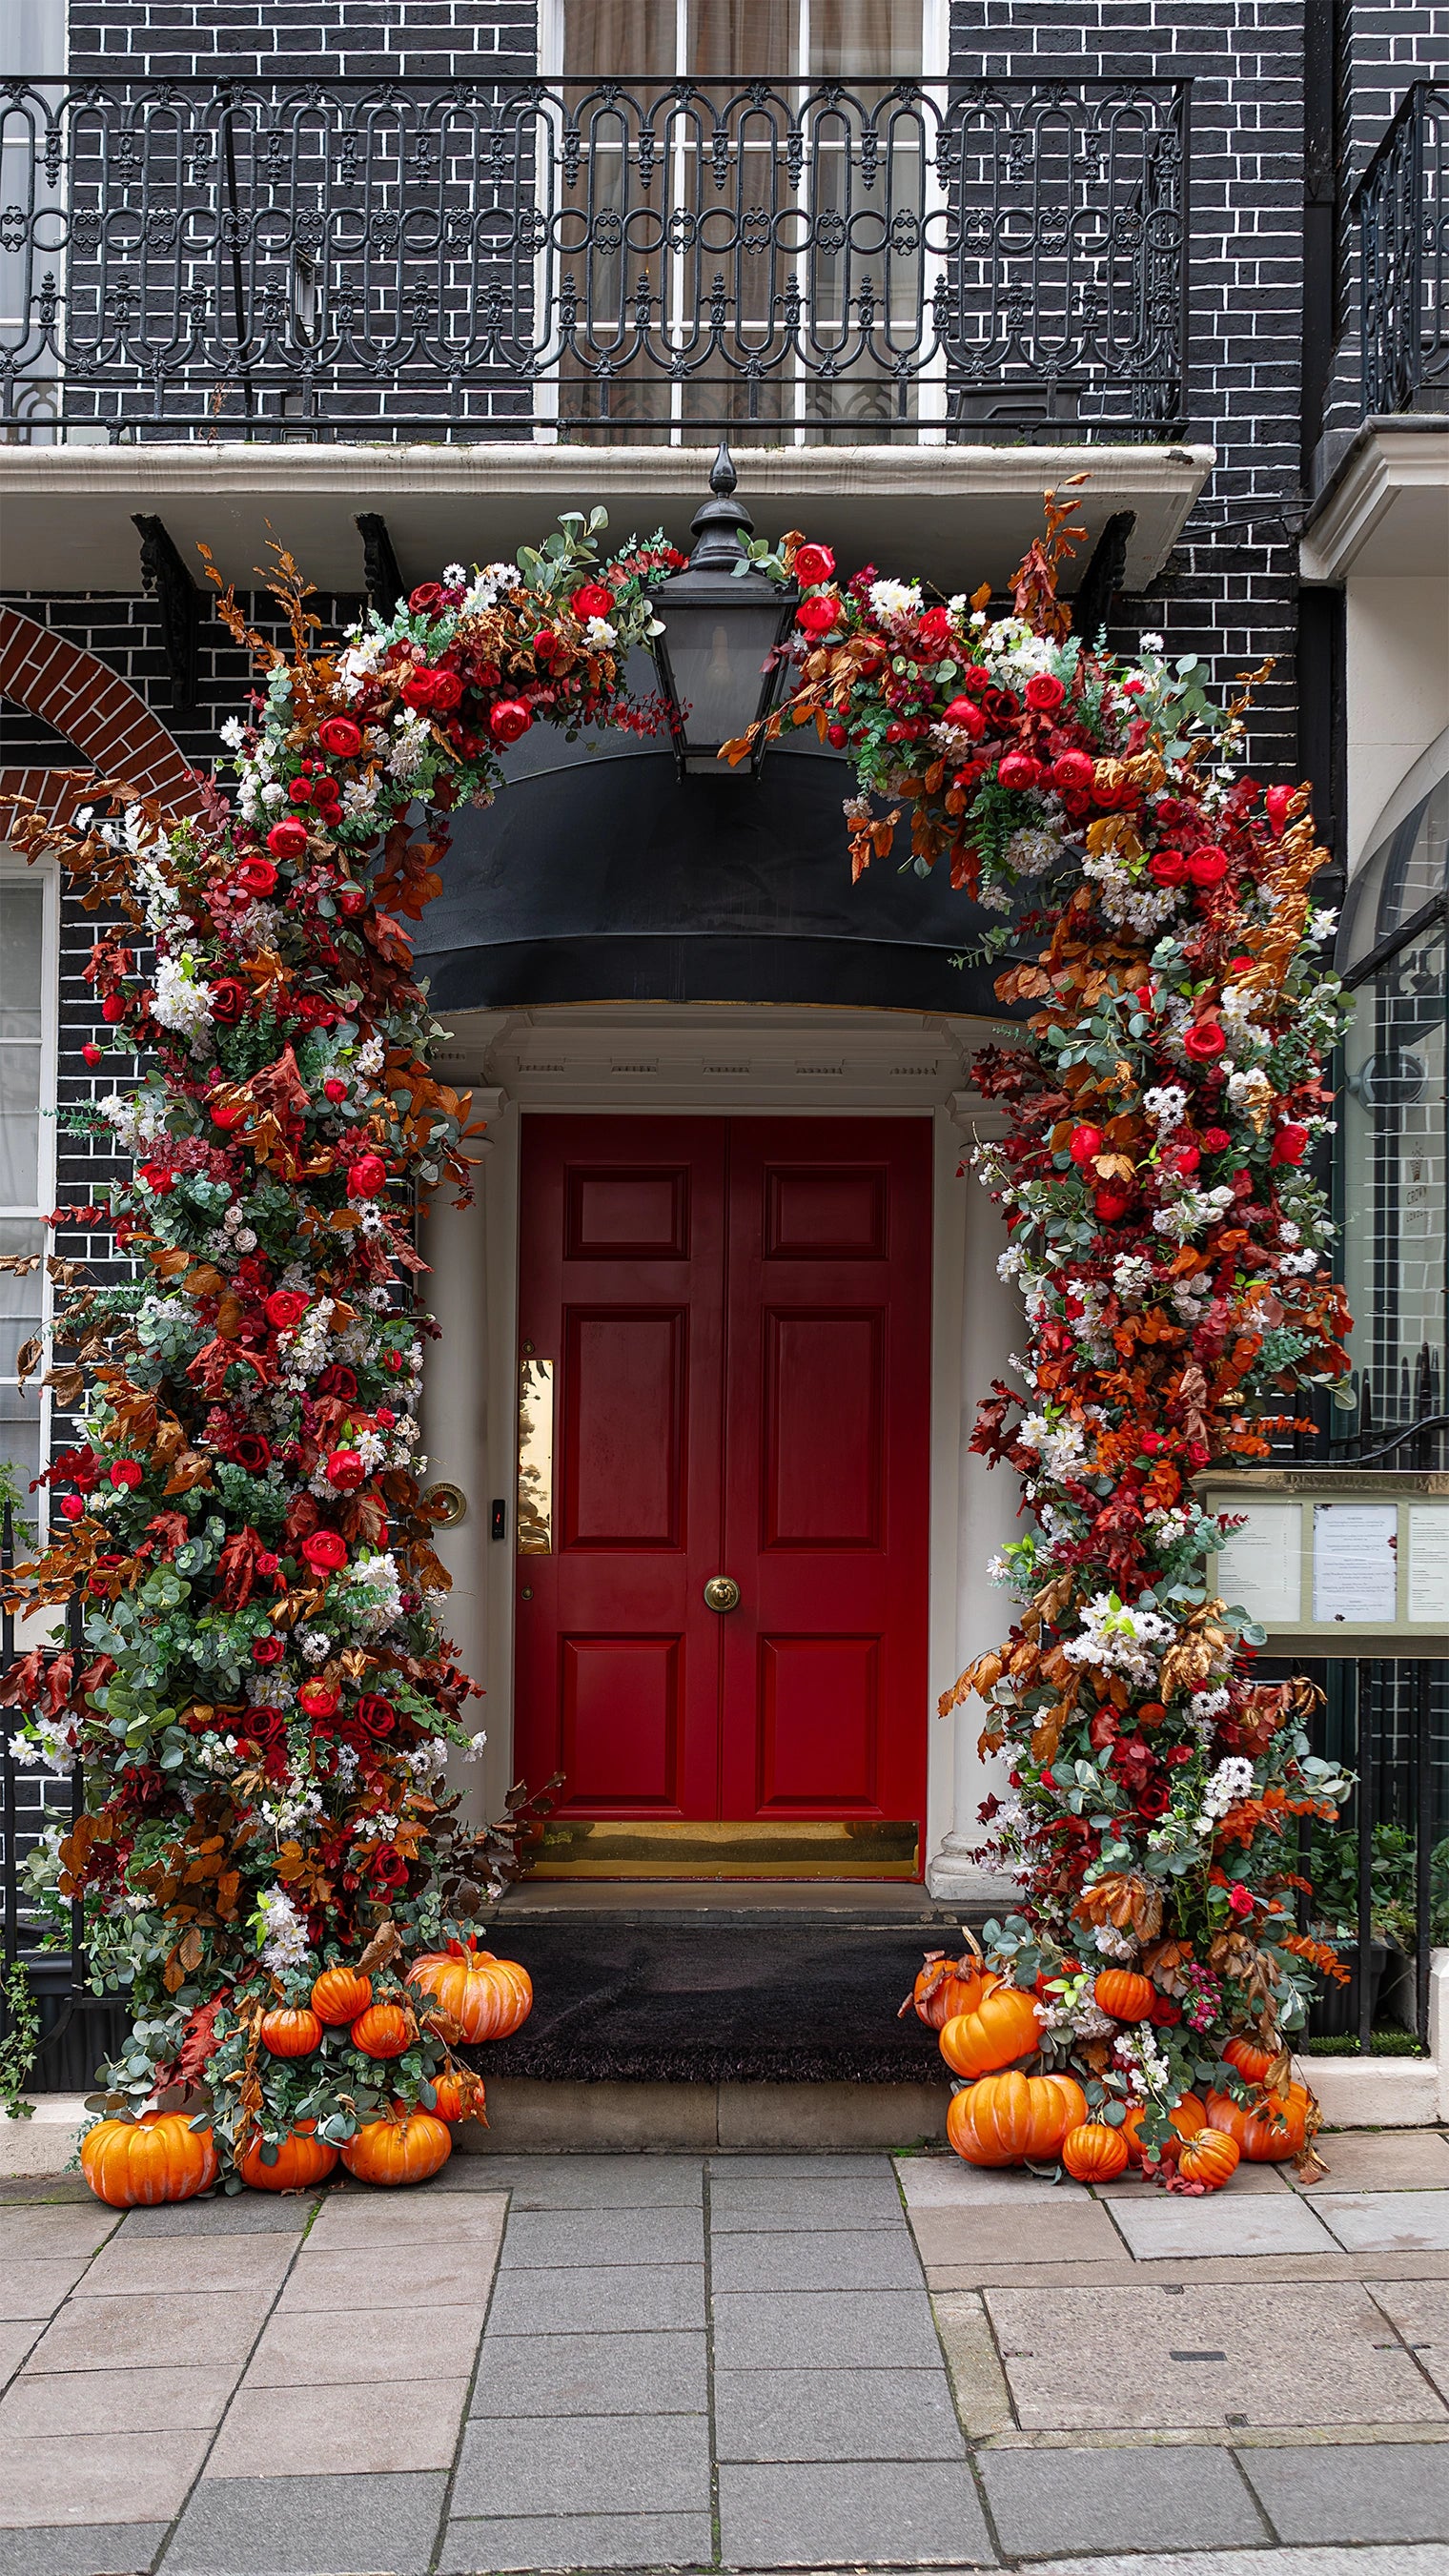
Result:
<point x="738" y="2362"/>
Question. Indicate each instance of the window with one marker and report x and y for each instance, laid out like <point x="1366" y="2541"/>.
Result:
<point x="27" y="1154"/>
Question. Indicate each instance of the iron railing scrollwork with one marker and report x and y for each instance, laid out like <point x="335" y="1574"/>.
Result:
<point x="1402" y="208"/>
<point x="504" y="259"/>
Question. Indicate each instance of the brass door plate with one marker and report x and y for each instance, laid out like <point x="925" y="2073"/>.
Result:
<point x="849" y="1847"/>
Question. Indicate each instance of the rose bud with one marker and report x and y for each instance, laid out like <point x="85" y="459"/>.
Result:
<point x="72" y="1507"/>
<point x="509" y="718"/>
<point x="1184" y="1159"/>
<point x="1019" y="770"/>
<point x="1276" y="803"/>
<point x="352" y="900"/>
<point x="340" y="736"/>
<point x="157" y="1178"/>
<point x="113" y="1009"/>
<point x="90" y="1052"/>
<point x="288" y="839"/>
<point x="1113" y="1204"/>
<point x="367" y="1177"/>
<point x="334" y="1088"/>
<point x="227" y="1114"/>
<point x="836" y="736"/>
<point x="1084" y="1144"/>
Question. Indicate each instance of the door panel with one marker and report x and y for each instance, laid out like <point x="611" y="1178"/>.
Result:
<point x="821" y="1436"/>
<point x="819" y="1724"/>
<point x="624" y="1443"/>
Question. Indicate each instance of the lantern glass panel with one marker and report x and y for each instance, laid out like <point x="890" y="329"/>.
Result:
<point x="716" y="663"/>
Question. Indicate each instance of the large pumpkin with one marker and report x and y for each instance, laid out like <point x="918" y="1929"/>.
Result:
<point x="1272" y="2130"/>
<point x="1003" y="2027"/>
<point x="339" y="1995"/>
<point x="384" y="2030"/>
<point x="1187" y="2118"/>
<point x="1210" y="2158"/>
<point x="138" y="2164"/>
<point x="301" y="2159"/>
<point x="291" y="2034"/>
<point x="1123" y="1994"/>
<point x="488" y="1998"/>
<point x="946" y="1988"/>
<point x="1010" y="2119"/>
<point x="1094" y="2153"/>
<point x="394" y="2151"/>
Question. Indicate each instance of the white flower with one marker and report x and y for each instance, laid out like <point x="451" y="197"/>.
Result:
<point x="1321" y="926"/>
<point x="599" y="634"/>
<point x="233" y="733"/>
<point x="1149" y="643"/>
<point x="184" y="1004"/>
<point x="284" y="1939"/>
<point x="454" y="577"/>
<point x="893" y="599"/>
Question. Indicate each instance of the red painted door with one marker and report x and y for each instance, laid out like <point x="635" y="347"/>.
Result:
<point x="738" y="1312"/>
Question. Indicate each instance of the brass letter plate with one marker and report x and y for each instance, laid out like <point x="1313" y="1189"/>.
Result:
<point x="535" y="1458"/>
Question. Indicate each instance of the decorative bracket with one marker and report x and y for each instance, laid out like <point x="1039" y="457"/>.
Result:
<point x="385" y="584"/>
<point x="167" y="579"/>
<point x="1100" y="583"/>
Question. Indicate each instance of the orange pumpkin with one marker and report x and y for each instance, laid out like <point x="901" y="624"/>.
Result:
<point x="384" y="2030"/>
<point x="1187" y="2118"/>
<point x="394" y="2151"/>
<point x="1271" y="2130"/>
<point x="1125" y="1995"/>
<point x="946" y="1988"/>
<point x="302" y="2159"/>
<point x="1254" y="2064"/>
<point x="138" y="2164"/>
<point x="457" y="2096"/>
<point x="1008" y="2119"/>
<point x="290" y="2033"/>
<point x="1073" y="2096"/>
<point x="1210" y="2158"/>
<point x="340" y="1995"/>
<point x="1003" y="2028"/>
<point x="1094" y="2152"/>
<point x="488" y="1998"/>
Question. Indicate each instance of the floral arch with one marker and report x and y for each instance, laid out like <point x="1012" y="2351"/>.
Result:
<point x="265" y="1700"/>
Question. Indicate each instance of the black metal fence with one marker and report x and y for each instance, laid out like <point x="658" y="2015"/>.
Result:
<point x="503" y="259"/>
<point x="1381" y="1877"/>
<point x="1403" y="250"/>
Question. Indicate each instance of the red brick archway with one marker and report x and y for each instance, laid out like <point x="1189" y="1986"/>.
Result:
<point x="100" y="713"/>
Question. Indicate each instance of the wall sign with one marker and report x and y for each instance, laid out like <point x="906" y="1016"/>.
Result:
<point x="1351" y="1561"/>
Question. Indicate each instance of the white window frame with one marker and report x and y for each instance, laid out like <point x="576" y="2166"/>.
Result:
<point x="15" y="871"/>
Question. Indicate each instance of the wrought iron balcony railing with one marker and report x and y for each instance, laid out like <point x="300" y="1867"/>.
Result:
<point x="400" y="260"/>
<point x="1403" y="252"/>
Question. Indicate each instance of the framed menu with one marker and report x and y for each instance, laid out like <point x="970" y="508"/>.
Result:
<point x="1355" y="1562"/>
<point x="1337" y="1561"/>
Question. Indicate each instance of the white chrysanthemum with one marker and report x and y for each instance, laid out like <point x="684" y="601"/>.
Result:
<point x="893" y="599"/>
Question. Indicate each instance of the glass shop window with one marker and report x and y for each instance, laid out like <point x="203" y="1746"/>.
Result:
<point x="27" y="1087"/>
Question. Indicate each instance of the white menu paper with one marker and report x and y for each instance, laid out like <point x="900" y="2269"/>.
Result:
<point x="1429" y="1562"/>
<point x="1261" y="1569"/>
<point x="1355" y="1561"/>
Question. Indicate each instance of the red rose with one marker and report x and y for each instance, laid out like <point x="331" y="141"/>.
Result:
<point x="1084" y="1143"/>
<point x="1290" y="1144"/>
<point x="590" y="600"/>
<point x="1184" y="1159"/>
<point x="229" y="998"/>
<point x="1073" y="772"/>
<point x="345" y="1470"/>
<point x="157" y="1178"/>
<point x="966" y="716"/>
<point x="72" y="1507"/>
<point x="91" y="1052"/>
<point x="338" y="1380"/>
<point x="1167" y="868"/>
<point x="334" y="1088"/>
<point x="1150" y="1443"/>
<point x="252" y="1450"/>
<point x="126" y="1474"/>
<point x="113" y="1009"/>
<point x="340" y="736"/>
<point x="325" y="1551"/>
<point x="227" y="1114"/>
<point x="389" y="1869"/>
<point x="447" y="690"/>
<point x="1044" y="694"/>
<point x="418" y="688"/>
<point x="1208" y="866"/>
<point x="367" y="1177"/>
<point x="1112" y="1205"/>
<point x="935" y="627"/>
<point x="509" y="718"/>
<point x="1019" y="770"/>
<point x="319" y="1699"/>
<point x="1203" y="1041"/>
<point x="813" y="564"/>
<point x="257" y="877"/>
<point x="818" y="612"/>
<point x="268" y="1650"/>
<point x="1276" y="803"/>
<point x="286" y="1307"/>
<point x="1216" y="1140"/>
<point x="1153" y="1800"/>
<point x="288" y="839"/>
<point x="1000" y="705"/>
<point x="376" y="1714"/>
<point x="266" y="1563"/>
<point x="1164" y="2012"/>
<point x="1240" y="1898"/>
<point x="427" y="597"/>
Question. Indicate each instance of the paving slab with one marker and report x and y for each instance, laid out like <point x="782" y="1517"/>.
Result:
<point x="788" y="2165"/>
<point x="1355" y="2491"/>
<point x="216" y="2331"/>
<point x="1384" y="2222"/>
<point x="374" y="2425"/>
<point x="1401" y="2560"/>
<point x="835" y="2415"/>
<point x="352" y="2223"/>
<point x="390" y="2276"/>
<point x="941" y="2182"/>
<point x="923" y="2513"/>
<point x="1058" y="2231"/>
<point x="36" y="2289"/>
<point x="61" y="2232"/>
<point x="547" y="2240"/>
<point x="866" y="2258"/>
<point x="1163" y="2223"/>
<point x="1277" y="2353"/>
<point x="102" y="2477"/>
<point x="1045" y="2502"/>
<point x="321" y="2526"/>
<point x="1258" y="2181"/>
<point x="825" y="2330"/>
<point x="115" y="2401"/>
<point x="593" y="2374"/>
<point x="1420" y="2311"/>
<point x="612" y="2299"/>
<point x="567" y="2541"/>
<point x="584" y="2464"/>
<point x="243" y="2213"/>
<point x="978" y="2382"/>
<point x="598" y="2182"/>
<point x="16" y="2340"/>
<point x="756" y="2204"/>
<point x="200" y="2263"/>
<point x="366" y="2343"/>
<point x="1382" y="2160"/>
<point x="55" y="2550"/>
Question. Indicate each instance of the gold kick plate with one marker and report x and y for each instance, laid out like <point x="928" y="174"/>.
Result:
<point x="535" y="1458"/>
<point x="851" y="1847"/>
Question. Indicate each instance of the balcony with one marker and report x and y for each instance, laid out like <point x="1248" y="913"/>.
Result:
<point x="1402" y="222"/>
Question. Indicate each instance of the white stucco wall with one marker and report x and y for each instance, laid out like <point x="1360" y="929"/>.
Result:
<point x="1397" y="690"/>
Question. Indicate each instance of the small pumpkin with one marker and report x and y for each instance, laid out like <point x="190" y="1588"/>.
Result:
<point x="1271" y="2130"/>
<point x="1124" y="1994"/>
<point x="1253" y="2063"/>
<point x="458" y="2096"/>
<point x="1210" y="2158"/>
<point x="138" y="2164"/>
<point x="1094" y="2152"/>
<point x="946" y="1988"/>
<point x="1009" y="2119"/>
<point x="302" y="2159"/>
<point x="398" y="2151"/>
<point x="488" y="1998"/>
<point x="339" y="1995"/>
<point x="384" y="2030"/>
<point x="1187" y="2117"/>
<point x="289" y="2032"/>
<point x="1003" y="2028"/>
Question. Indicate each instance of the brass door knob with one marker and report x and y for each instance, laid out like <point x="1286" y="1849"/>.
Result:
<point x="721" y="1593"/>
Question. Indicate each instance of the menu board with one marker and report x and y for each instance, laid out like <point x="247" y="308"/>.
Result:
<point x="1428" y="1585"/>
<point x="1261" y="1570"/>
<point x="1355" y="1561"/>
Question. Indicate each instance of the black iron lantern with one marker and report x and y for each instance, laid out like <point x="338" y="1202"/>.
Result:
<point x="721" y="625"/>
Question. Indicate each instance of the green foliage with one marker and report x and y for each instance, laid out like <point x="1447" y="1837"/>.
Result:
<point x="21" y="2044"/>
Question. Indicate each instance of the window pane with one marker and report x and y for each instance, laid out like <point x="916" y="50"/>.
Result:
<point x="865" y="40"/>
<point x="32" y="37"/>
<point x="742" y="39"/>
<point x="22" y="954"/>
<point x="19" y="1126"/>
<point x="1396" y="1262"/>
<point x="603" y="38"/>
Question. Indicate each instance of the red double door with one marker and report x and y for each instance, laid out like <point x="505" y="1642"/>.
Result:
<point x="738" y="1314"/>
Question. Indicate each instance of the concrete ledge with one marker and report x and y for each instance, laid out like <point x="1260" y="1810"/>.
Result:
<point x="1374" y="2092"/>
<point x="527" y="2114"/>
<point x="45" y="2144"/>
